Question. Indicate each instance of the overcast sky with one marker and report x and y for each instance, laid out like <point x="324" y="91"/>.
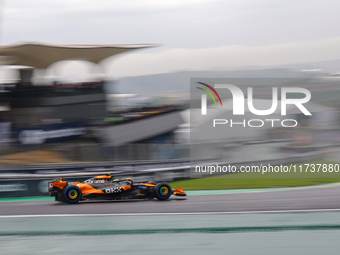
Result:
<point x="195" y="35"/>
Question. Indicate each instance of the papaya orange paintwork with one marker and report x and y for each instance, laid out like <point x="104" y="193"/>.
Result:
<point x="108" y="188"/>
<point x="148" y="185"/>
<point x="60" y="185"/>
<point x="178" y="191"/>
<point x="103" y="177"/>
<point x="86" y="188"/>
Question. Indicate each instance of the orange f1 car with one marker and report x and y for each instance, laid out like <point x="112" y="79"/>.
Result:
<point x="107" y="188"/>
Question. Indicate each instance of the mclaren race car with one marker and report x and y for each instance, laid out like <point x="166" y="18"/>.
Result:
<point x="107" y="188"/>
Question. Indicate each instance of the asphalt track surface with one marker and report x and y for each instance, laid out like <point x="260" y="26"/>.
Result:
<point x="309" y="199"/>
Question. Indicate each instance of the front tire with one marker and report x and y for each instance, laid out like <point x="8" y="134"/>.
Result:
<point x="72" y="194"/>
<point x="162" y="191"/>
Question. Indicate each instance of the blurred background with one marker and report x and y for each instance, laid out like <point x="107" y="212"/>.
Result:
<point x="90" y="87"/>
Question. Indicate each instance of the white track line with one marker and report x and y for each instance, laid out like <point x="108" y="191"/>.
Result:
<point x="161" y="214"/>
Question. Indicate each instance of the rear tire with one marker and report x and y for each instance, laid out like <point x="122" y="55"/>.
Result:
<point x="72" y="194"/>
<point x="162" y="191"/>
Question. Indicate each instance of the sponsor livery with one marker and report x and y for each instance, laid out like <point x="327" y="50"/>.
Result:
<point x="108" y="188"/>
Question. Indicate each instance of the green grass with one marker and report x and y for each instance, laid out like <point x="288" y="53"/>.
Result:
<point x="258" y="180"/>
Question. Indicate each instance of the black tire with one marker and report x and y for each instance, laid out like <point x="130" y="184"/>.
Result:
<point x="163" y="191"/>
<point x="72" y="194"/>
